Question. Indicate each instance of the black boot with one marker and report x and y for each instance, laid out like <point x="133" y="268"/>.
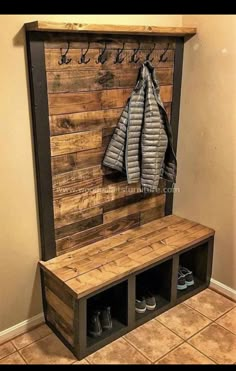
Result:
<point x="106" y="320"/>
<point x="94" y="325"/>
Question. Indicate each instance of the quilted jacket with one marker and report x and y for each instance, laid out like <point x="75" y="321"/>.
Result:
<point x="142" y="143"/>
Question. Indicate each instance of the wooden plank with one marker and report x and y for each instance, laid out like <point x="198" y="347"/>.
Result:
<point x="72" y="81"/>
<point x="77" y="160"/>
<point x="153" y="213"/>
<point x="58" y="322"/>
<point x="94" y="197"/>
<point x="77" y="181"/>
<point x="92" y="120"/>
<point x="77" y="216"/>
<point x="140" y="206"/>
<point x="68" y="143"/>
<point x="113" y="29"/>
<point x="84" y="238"/>
<point x="63" y="103"/>
<point x="82" y="121"/>
<point x="87" y="101"/>
<point x="75" y="176"/>
<point x="79" y="187"/>
<point x="113" y="42"/>
<point x="80" y="226"/>
<point x="120" y="202"/>
<point x="59" y="290"/>
<point x="59" y="306"/>
<point x="52" y="57"/>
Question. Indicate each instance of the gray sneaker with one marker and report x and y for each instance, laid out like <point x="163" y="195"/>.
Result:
<point x="150" y="301"/>
<point x="188" y="275"/>
<point x="140" y="305"/>
<point x="181" y="283"/>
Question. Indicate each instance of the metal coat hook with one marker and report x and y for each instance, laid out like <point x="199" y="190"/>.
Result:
<point x="162" y="59"/>
<point x="150" y="53"/>
<point x="102" y="58"/>
<point x="64" y="59"/>
<point x="119" y="59"/>
<point x="133" y="58"/>
<point x="83" y="56"/>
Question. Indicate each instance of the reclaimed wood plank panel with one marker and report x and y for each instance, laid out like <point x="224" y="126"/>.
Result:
<point x="68" y="143"/>
<point x="86" y="80"/>
<point x="57" y="287"/>
<point x="78" y="160"/>
<point x="92" y="120"/>
<point x="80" y="226"/>
<point x="95" y="197"/>
<point x="76" y="181"/>
<point x="140" y="206"/>
<point x="60" y="324"/>
<point x="152" y="214"/>
<point x="84" y="238"/>
<point x="84" y="121"/>
<point x="59" y="306"/>
<point x="77" y="216"/>
<point x="52" y="56"/>
<point x="91" y="101"/>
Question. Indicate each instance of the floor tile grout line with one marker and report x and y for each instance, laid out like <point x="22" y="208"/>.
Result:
<point x="15" y="350"/>
<point x="35" y="341"/>
<point x="24" y="359"/>
<point x="139" y="351"/>
<point x="52" y="333"/>
<point x="156" y="318"/>
<point x="213" y="320"/>
<point x="233" y="333"/>
<point x="153" y="362"/>
<point x="202" y="352"/>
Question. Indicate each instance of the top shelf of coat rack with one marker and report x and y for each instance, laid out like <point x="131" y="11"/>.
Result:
<point x="110" y="29"/>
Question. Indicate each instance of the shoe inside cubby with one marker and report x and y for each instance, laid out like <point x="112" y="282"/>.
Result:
<point x="153" y="288"/>
<point x="107" y="313"/>
<point x="195" y="260"/>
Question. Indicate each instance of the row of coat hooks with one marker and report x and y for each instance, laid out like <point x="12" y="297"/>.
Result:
<point x="102" y="57"/>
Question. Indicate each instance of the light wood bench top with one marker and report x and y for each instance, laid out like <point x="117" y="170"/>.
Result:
<point x="94" y="266"/>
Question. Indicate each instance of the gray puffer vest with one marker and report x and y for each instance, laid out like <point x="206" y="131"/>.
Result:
<point x="142" y="143"/>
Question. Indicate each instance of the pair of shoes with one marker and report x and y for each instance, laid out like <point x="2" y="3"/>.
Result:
<point x="145" y="302"/>
<point x="185" y="278"/>
<point x="99" y="321"/>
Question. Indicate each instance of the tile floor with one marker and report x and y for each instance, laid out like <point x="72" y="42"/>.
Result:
<point x="202" y="330"/>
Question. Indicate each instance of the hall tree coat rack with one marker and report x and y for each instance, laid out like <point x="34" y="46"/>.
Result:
<point x="101" y="238"/>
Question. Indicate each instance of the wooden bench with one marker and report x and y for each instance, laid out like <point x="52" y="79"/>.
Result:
<point x="115" y="265"/>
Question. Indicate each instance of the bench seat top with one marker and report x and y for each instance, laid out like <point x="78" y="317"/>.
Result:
<point x="94" y="266"/>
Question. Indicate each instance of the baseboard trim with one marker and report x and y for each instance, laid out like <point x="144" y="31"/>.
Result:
<point x="223" y="289"/>
<point x="21" y="327"/>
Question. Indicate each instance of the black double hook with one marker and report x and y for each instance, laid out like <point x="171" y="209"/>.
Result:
<point x="133" y="58"/>
<point x="83" y="56"/>
<point x="119" y="58"/>
<point x="150" y="53"/>
<point x="64" y="59"/>
<point x="102" y="56"/>
<point x="162" y="59"/>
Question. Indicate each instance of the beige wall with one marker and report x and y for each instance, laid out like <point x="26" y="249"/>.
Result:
<point x="207" y="137"/>
<point x="19" y="238"/>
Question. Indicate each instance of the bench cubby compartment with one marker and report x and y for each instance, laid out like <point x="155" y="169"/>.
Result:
<point x="158" y="281"/>
<point x="116" y="297"/>
<point x="196" y="260"/>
